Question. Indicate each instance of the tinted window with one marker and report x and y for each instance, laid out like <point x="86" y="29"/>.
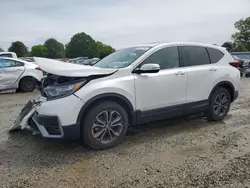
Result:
<point x="194" y="55"/>
<point x="167" y="58"/>
<point x="215" y="55"/>
<point x="6" y="55"/>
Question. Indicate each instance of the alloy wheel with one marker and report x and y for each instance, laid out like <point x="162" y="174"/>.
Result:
<point x="107" y="126"/>
<point x="221" y="104"/>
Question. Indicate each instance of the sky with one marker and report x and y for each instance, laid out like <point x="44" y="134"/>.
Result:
<point x="120" y="23"/>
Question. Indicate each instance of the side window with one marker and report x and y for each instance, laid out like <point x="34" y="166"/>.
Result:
<point x="167" y="58"/>
<point x="9" y="63"/>
<point x="194" y="55"/>
<point x="19" y="64"/>
<point x="215" y="55"/>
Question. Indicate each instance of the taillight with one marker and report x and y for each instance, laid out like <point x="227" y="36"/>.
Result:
<point x="38" y="68"/>
<point x="235" y="63"/>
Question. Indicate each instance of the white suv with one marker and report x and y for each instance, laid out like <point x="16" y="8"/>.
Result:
<point x="134" y="85"/>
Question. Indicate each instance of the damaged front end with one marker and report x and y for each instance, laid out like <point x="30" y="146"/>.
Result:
<point x="61" y="80"/>
<point x="54" y="86"/>
<point x="51" y="87"/>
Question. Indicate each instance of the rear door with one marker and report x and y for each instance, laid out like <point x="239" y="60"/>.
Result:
<point x="10" y="71"/>
<point x="201" y="73"/>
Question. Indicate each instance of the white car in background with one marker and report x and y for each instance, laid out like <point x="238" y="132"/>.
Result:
<point x="8" y="54"/>
<point x="18" y="74"/>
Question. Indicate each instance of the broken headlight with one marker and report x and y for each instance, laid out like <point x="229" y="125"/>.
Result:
<point x="62" y="90"/>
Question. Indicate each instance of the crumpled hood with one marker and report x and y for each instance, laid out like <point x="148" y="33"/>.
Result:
<point x="68" y="69"/>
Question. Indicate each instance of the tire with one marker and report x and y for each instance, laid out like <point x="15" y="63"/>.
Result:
<point x="219" y="104"/>
<point x="96" y="130"/>
<point x="27" y="84"/>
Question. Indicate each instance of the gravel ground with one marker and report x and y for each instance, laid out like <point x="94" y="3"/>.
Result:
<point x="188" y="152"/>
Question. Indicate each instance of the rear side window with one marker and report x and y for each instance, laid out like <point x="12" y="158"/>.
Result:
<point x="194" y="55"/>
<point x="215" y="55"/>
<point x="19" y="64"/>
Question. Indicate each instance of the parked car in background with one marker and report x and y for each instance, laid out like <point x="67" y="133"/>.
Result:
<point x="135" y="85"/>
<point x="18" y="74"/>
<point x="83" y="61"/>
<point x="244" y="56"/>
<point x="244" y="59"/>
<point x="8" y="54"/>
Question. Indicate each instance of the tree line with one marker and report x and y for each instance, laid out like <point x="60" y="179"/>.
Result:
<point x="80" y="45"/>
<point x="241" y="39"/>
<point x="83" y="45"/>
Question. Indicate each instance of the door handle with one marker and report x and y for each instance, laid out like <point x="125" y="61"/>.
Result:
<point x="179" y="73"/>
<point x="213" y="69"/>
<point x="19" y="69"/>
<point x="182" y="73"/>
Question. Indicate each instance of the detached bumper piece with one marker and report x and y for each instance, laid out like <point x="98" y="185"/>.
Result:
<point x="50" y="127"/>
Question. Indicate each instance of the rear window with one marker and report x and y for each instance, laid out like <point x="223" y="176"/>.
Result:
<point x="6" y="55"/>
<point x="215" y="55"/>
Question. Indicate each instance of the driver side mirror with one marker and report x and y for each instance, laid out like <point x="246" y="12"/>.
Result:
<point x="148" y="68"/>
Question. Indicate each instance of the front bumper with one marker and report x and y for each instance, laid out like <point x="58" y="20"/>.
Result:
<point x="52" y="119"/>
<point x="50" y="127"/>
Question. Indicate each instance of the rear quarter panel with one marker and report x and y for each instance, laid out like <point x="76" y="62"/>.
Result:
<point x="230" y="74"/>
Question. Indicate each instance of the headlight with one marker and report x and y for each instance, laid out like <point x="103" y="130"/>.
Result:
<point x="62" y="90"/>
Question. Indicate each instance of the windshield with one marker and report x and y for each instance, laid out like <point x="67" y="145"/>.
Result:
<point x="122" y="58"/>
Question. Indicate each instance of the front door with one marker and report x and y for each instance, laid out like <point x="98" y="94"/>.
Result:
<point x="158" y="95"/>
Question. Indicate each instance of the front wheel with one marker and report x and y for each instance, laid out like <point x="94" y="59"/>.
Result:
<point x="105" y="125"/>
<point x="219" y="105"/>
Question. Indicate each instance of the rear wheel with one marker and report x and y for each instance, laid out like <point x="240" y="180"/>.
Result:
<point x="27" y="84"/>
<point x="219" y="105"/>
<point x="105" y="125"/>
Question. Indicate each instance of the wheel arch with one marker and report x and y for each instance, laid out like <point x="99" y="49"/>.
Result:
<point x="224" y="84"/>
<point x="120" y="99"/>
<point x="26" y="76"/>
